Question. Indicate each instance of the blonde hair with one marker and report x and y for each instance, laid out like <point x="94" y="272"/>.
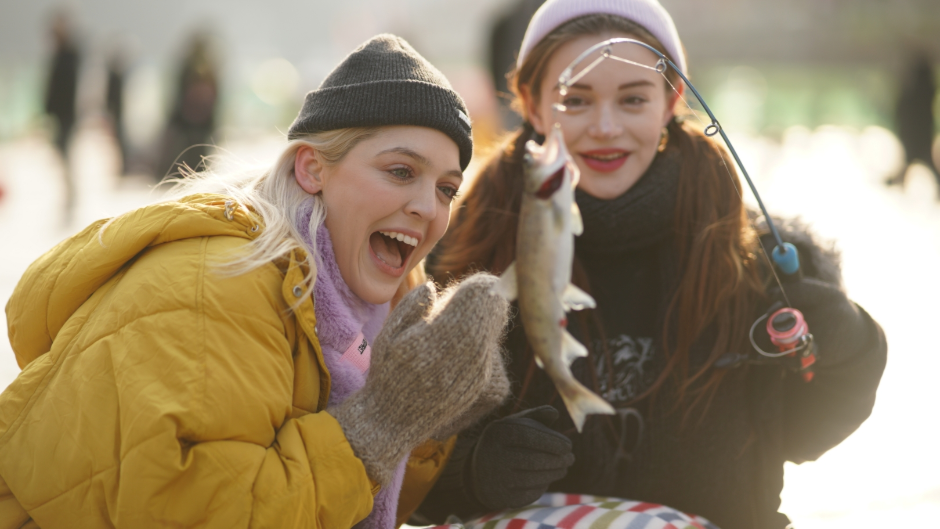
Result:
<point x="275" y="196"/>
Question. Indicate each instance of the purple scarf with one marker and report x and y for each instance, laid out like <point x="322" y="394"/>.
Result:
<point x="341" y="317"/>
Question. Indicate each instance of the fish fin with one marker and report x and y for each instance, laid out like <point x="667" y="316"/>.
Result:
<point x="581" y="402"/>
<point x="573" y="298"/>
<point x="571" y="349"/>
<point x="577" y="223"/>
<point x="507" y="286"/>
<point x="558" y="218"/>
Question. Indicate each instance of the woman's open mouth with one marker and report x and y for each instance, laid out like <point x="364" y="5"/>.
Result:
<point x="605" y="160"/>
<point x="391" y="250"/>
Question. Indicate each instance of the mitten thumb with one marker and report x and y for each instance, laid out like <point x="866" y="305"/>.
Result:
<point x="412" y="308"/>
<point x="473" y="309"/>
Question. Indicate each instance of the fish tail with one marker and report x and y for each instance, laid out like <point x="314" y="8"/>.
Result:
<point x="582" y="402"/>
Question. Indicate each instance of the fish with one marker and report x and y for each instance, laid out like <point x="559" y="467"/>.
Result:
<point x="540" y="277"/>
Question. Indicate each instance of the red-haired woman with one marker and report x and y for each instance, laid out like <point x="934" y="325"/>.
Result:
<point x="678" y="274"/>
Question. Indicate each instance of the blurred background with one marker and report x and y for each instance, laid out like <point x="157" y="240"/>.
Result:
<point x="831" y="104"/>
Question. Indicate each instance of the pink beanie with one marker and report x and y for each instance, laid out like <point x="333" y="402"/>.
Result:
<point x="647" y="13"/>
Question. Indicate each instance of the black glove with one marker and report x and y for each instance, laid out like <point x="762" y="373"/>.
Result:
<point x="839" y="327"/>
<point x="851" y="352"/>
<point x="517" y="458"/>
<point x="508" y="464"/>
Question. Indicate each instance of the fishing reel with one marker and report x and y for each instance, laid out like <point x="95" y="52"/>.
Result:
<point x="788" y="331"/>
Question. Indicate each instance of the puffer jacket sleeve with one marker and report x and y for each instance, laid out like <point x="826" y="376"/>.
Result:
<point x="852" y="352"/>
<point x="851" y="347"/>
<point x="423" y="469"/>
<point x="209" y="433"/>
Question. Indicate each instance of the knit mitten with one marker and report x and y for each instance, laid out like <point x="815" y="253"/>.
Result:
<point x="430" y="364"/>
<point x="491" y="397"/>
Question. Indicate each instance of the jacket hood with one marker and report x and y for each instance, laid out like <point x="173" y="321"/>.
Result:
<point x="57" y="284"/>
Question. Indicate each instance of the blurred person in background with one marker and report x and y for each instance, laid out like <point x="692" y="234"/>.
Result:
<point x="228" y="358"/>
<point x="114" y="101"/>
<point x="505" y="38"/>
<point x="192" y="122"/>
<point x="703" y="424"/>
<point x="61" y="89"/>
<point x="914" y="116"/>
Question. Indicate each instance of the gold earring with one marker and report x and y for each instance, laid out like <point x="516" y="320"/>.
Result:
<point x="663" y="140"/>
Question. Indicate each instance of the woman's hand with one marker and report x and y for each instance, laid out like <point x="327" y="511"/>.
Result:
<point x="517" y="458"/>
<point x="852" y="351"/>
<point x="433" y="362"/>
<point x="505" y="464"/>
<point x="838" y="326"/>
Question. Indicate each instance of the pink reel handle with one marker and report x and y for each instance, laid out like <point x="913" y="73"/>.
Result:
<point x="785" y="328"/>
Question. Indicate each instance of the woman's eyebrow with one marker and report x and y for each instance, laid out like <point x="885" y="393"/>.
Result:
<point x="409" y="153"/>
<point x="579" y="86"/>
<point x="633" y="84"/>
<point x="642" y="82"/>
<point x="419" y="158"/>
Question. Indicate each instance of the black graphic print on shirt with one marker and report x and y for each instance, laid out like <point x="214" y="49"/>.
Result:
<point x="633" y="369"/>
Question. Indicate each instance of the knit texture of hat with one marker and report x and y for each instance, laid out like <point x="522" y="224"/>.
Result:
<point x="386" y="82"/>
<point x="647" y="13"/>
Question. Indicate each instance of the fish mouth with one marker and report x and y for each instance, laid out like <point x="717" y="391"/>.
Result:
<point x="551" y="184"/>
<point x="546" y="165"/>
<point x="392" y="248"/>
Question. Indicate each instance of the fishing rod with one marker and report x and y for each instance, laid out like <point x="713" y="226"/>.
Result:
<point x="785" y="326"/>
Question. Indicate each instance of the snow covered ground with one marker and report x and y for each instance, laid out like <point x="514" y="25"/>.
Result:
<point x="886" y="475"/>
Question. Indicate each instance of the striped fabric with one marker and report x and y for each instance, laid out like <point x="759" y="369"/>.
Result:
<point x="575" y="511"/>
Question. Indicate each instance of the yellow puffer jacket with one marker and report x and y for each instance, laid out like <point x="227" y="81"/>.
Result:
<point x="158" y="393"/>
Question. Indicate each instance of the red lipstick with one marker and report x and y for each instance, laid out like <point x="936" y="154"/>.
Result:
<point x="605" y="160"/>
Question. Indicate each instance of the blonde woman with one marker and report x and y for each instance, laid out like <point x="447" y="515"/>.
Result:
<point x="228" y="359"/>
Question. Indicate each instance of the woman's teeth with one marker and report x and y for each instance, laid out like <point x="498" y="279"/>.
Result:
<point x="606" y="157"/>
<point x="401" y="237"/>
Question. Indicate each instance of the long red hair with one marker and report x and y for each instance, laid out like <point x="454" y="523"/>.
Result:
<point x="719" y="281"/>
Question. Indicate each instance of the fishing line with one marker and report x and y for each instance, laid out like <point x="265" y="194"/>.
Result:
<point x="773" y="269"/>
<point x="784" y="255"/>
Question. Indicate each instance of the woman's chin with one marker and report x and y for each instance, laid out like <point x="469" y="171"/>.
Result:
<point x="379" y="281"/>
<point x="607" y="186"/>
<point x="376" y="292"/>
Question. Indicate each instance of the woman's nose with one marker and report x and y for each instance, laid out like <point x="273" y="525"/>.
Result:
<point x="605" y="124"/>
<point x="423" y="204"/>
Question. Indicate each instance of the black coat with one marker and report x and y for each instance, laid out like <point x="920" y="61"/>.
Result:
<point x="728" y="466"/>
<point x="914" y="114"/>
<point x="61" y="88"/>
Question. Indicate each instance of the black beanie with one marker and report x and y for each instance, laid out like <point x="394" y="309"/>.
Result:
<point x="386" y="82"/>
